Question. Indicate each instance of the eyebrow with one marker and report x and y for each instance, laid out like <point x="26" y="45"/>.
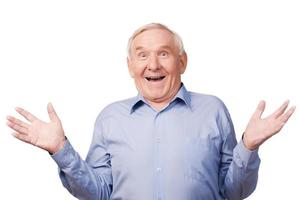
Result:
<point x="138" y="48"/>
<point x="161" y="47"/>
<point x="166" y="47"/>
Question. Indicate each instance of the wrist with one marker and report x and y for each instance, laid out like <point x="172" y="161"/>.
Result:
<point x="248" y="144"/>
<point x="59" y="146"/>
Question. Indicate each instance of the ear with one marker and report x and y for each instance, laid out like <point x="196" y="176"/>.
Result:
<point x="129" y="62"/>
<point x="183" y="62"/>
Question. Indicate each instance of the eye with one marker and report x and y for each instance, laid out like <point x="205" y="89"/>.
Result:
<point x="163" y="54"/>
<point x="142" y="55"/>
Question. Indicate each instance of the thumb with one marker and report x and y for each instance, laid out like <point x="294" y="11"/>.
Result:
<point x="51" y="112"/>
<point x="259" y="110"/>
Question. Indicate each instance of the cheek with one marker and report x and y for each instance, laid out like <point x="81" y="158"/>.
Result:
<point x="137" y="71"/>
<point x="171" y="66"/>
<point x="173" y="69"/>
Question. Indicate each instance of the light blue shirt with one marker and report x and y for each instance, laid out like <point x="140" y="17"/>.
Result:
<point x="186" y="151"/>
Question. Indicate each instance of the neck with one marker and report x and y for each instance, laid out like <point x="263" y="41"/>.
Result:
<point x="158" y="105"/>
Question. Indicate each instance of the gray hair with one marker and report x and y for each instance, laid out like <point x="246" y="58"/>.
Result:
<point x="150" y="26"/>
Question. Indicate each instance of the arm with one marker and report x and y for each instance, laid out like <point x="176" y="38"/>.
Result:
<point x="81" y="179"/>
<point x="90" y="179"/>
<point x="239" y="169"/>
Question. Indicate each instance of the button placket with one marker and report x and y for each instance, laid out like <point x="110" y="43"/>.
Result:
<point x="158" y="153"/>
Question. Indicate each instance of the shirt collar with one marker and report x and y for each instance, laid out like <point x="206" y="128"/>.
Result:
<point x="182" y="95"/>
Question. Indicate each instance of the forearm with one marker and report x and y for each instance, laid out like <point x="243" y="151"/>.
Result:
<point x="80" y="179"/>
<point x="242" y="175"/>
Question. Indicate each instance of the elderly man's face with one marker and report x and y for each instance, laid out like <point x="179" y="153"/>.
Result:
<point x="156" y="66"/>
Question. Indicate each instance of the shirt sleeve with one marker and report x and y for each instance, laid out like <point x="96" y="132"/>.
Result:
<point x="90" y="179"/>
<point x="239" y="166"/>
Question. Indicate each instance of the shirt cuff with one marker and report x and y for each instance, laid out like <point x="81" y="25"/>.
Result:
<point x="65" y="156"/>
<point x="245" y="156"/>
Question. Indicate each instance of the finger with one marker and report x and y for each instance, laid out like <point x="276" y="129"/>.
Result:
<point x="17" y="128"/>
<point x="51" y="112"/>
<point x="21" y="137"/>
<point x="17" y="121"/>
<point x="30" y="117"/>
<point x="259" y="110"/>
<point x="288" y="114"/>
<point x="281" y="109"/>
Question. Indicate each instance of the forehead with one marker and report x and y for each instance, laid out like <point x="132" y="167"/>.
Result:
<point x="154" y="38"/>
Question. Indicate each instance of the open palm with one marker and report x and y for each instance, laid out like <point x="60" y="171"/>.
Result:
<point x="45" y="135"/>
<point x="259" y="130"/>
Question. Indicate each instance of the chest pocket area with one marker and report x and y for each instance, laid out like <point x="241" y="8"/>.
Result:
<point x="201" y="157"/>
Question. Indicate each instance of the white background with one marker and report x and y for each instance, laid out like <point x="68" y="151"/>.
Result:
<point x="72" y="53"/>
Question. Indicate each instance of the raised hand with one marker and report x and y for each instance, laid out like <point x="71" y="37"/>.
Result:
<point x="259" y="130"/>
<point x="45" y="135"/>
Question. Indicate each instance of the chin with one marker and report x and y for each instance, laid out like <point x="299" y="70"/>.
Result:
<point x="157" y="94"/>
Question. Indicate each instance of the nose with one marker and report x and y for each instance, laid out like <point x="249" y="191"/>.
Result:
<point x="153" y="63"/>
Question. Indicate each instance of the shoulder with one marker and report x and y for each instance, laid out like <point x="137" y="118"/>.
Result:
<point x="117" y="108"/>
<point x="212" y="107"/>
<point x="206" y="101"/>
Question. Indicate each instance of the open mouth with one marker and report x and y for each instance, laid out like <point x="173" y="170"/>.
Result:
<point x="155" y="78"/>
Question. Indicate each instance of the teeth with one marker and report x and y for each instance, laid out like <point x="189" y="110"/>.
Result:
<point x="158" y="78"/>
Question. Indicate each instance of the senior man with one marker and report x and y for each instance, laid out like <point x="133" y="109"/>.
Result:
<point x="164" y="144"/>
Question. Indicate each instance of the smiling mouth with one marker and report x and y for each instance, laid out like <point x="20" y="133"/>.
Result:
<point x="157" y="78"/>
